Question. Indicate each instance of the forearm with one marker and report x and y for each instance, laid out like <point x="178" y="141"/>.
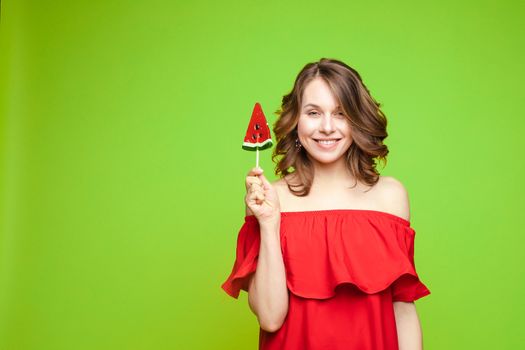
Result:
<point x="268" y="295"/>
<point x="409" y="332"/>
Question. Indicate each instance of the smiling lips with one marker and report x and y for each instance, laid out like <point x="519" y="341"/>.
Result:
<point x="326" y="143"/>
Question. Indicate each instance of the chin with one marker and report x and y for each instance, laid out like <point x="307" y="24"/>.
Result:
<point x="327" y="159"/>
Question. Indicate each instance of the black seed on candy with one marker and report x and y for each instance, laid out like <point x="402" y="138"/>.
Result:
<point x="257" y="126"/>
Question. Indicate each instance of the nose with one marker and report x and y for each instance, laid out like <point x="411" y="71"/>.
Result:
<point x="327" y="125"/>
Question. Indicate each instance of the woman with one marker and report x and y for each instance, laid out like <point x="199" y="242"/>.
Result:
<point x="326" y="253"/>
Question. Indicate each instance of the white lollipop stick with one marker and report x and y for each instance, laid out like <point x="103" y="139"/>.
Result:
<point x="257" y="157"/>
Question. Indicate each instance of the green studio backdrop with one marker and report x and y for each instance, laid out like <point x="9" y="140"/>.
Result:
<point x="122" y="173"/>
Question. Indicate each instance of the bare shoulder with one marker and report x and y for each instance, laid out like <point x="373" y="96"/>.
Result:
<point x="394" y="196"/>
<point x="286" y="199"/>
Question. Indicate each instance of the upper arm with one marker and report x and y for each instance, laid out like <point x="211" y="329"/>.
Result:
<point x="404" y="307"/>
<point x="395" y="197"/>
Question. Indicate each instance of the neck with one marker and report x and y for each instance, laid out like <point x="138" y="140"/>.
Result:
<point x="332" y="175"/>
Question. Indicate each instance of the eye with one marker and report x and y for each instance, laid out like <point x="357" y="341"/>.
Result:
<point x="313" y="113"/>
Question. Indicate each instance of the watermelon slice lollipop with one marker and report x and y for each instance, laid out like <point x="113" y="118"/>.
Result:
<point x="258" y="133"/>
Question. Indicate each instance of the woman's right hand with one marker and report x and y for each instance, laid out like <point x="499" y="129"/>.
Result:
<point x="261" y="198"/>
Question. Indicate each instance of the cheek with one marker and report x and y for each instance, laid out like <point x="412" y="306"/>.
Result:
<point x="344" y="127"/>
<point x="305" y="127"/>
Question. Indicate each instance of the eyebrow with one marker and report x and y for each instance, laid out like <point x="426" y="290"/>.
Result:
<point x="316" y="106"/>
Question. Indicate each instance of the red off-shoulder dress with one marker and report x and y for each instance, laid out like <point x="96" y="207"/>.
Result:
<point x="344" y="268"/>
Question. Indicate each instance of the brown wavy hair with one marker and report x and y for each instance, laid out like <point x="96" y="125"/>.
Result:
<point x="367" y="123"/>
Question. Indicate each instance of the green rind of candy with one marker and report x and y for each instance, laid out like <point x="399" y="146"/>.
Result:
<point x="253" y="146"/>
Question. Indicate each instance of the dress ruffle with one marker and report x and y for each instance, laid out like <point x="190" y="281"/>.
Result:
<point x="322" y="250"/>
<point x="247" y="252"/>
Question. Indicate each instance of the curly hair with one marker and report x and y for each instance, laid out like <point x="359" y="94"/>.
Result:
<point x="368" y="126"/>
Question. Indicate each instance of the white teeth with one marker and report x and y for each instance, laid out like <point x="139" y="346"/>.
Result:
<point x="328" y="142"/>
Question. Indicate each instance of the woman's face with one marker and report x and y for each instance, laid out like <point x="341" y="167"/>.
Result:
<point x="323" y="129"/>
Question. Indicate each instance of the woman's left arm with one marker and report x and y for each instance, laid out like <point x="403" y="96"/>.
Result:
<point x="407" y="321"/>
<point x="408" y="326"/>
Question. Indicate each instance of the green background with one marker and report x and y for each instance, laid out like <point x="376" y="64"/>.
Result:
<point x="122" y="169"/>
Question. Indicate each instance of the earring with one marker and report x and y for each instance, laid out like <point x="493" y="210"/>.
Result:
<point x="297" y="143"/>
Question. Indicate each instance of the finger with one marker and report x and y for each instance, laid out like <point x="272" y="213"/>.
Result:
<point x="256" y="180"/>
<point x="251" y="198"/>
<point x="256" y="192"/>
<point x="259" y="198"/>
<point x="256" y="188"/>
<point x="250" y="180"/>
<point x="265" y="183"/>
<point x="255" y="171"/>
<point x="255" y="199"/>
